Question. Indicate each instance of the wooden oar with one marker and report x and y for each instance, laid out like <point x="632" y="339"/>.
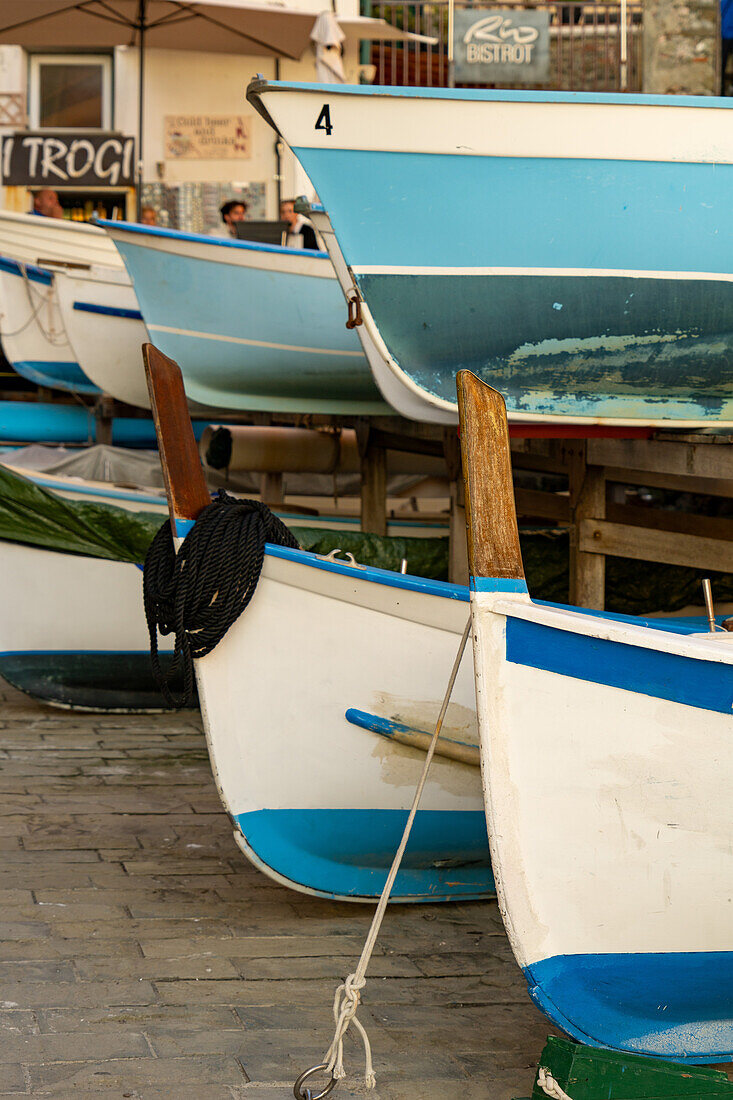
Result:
<point x="185" y="484"/>
<point x="449" y="747"/>
<point x="491" y="517"/>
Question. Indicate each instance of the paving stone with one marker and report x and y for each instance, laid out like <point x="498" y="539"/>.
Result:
<point x="81" y="1047"/>
<point x="130" y="1073"/>
<point x="142" y="956"/>
<point x="29" y="994"/>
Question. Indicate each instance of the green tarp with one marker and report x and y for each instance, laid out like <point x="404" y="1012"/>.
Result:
<point x="35" y="516"/>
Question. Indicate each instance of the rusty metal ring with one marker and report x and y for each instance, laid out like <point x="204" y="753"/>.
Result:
<point x="305" y="1094"/>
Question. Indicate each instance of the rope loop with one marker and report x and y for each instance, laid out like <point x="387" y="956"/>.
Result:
<point x="199" y="592"/>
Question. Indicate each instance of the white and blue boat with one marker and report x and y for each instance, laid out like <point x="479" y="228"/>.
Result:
<point x="69" y="319"/>
<point x="606" y="752"/>
<point x="253" y="326"/>
<point x="318" y="703"/>
<point x="569" y="248"/>
<point x="32" y="331"/>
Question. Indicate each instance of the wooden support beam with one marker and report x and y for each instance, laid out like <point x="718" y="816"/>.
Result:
<point x="457" y="541"/>
<point x="587" y="499"/>
<point x="533" y="502"/>
<point x="374" y="490"/>
<point x="709" y="460"/>
<point x="597" y="538"/>
<point x="707" y="486"/>
<point x="271" y="489"/>
<point x="103" y="413"/>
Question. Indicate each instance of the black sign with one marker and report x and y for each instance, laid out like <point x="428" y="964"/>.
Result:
<point x="68" y="160"/>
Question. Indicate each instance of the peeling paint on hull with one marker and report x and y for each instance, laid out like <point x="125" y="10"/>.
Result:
<point x="619" y="346"/>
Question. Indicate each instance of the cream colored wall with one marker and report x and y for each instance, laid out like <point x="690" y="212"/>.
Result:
<point x="182" y="82"/>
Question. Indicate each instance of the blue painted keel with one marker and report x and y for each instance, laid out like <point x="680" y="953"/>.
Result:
<point x="348" y="853"/>
<point x="681" y="1001"/>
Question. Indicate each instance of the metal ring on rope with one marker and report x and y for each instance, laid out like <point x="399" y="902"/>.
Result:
<point x="305" y="1094"/>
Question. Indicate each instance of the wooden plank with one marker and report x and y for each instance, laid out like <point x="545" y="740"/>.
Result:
<point x="683" y="459"/>
<point x="598" y="537"/>
<point x="493" y="536"/>
<point x="534" y="502"/>
<point x="185" y="483"/>
<point x="715" y="487"/>
<point x="684" y="523"/>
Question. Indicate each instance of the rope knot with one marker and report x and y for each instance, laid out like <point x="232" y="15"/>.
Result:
<point x="549" y="1085"/>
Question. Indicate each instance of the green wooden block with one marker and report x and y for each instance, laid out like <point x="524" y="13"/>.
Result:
<point x="587" y="1073"/>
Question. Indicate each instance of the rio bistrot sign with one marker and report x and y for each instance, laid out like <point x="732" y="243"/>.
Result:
<point x="503" y="47"/>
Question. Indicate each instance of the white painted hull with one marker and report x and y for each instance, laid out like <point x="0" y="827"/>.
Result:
<point x="607" y="753"/>
<point x="318" y="801"/>
<point x="73" y="630"/>
<point x="32" y="330"/>
<point x="101" y="317"/>
<point x="33" y="239"/>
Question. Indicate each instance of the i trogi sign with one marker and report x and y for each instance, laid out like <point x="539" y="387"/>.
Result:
<point x="501" y="47"/>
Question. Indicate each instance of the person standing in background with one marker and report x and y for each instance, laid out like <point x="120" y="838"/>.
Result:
<point x="726" y="35"/>
<point x="148" y="216"/>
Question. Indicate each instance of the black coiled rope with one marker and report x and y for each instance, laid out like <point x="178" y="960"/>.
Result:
<point x="197" y="593"/>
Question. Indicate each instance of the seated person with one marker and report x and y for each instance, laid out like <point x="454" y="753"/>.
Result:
<point x="300" y="233"/>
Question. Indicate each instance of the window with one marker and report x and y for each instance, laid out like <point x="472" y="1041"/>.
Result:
<point x="70" y="91"/>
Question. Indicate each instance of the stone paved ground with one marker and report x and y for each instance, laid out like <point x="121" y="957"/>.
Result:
<point x="141" y="956"/>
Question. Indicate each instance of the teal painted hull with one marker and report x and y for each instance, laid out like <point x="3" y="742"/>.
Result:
<point x="563" y="345"/>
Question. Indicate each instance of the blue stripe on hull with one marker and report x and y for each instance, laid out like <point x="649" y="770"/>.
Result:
<point x="677" y="1005"/>
<point x="567" y="345"/>
<point x="695" y="683"/>
<point x="524" y="212"/>
<point x="348" y="853"/>
<point x="59" y="374"/>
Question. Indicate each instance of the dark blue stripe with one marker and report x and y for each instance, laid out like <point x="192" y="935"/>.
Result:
<point x="676" y="1005"/>
<point x="35" y="274"/>
<point x="109" y="311"/>
<point x="694" y="682"/>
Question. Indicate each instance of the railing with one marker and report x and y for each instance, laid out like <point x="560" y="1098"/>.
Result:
<point x="586" y="44"/>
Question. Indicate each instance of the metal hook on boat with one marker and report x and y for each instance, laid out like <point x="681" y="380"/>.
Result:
<point x="353" y="303"/>
<point x="301" y="1093"/>
<point x="348" y="560"/>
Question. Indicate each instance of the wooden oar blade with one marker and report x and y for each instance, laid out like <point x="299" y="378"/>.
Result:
<point x="491" y="518"/>
<point x="185" y="483"/>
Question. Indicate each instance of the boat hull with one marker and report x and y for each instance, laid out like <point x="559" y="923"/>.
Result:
<point x="73" y="630"/>
<point x="253" y="327"/>
<point x="100" y="313"/>
<point x="581" y="272"/>
<point x="606" y="752"/>
<point x="34" y="338"/>
<point x="319" y="802"/>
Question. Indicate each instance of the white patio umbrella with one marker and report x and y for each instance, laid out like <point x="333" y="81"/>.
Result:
<point x="224" y="26"/>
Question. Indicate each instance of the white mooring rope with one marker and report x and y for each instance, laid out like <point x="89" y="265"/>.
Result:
<point x="549" y="1085"/>
<point x="348" y="994"/>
